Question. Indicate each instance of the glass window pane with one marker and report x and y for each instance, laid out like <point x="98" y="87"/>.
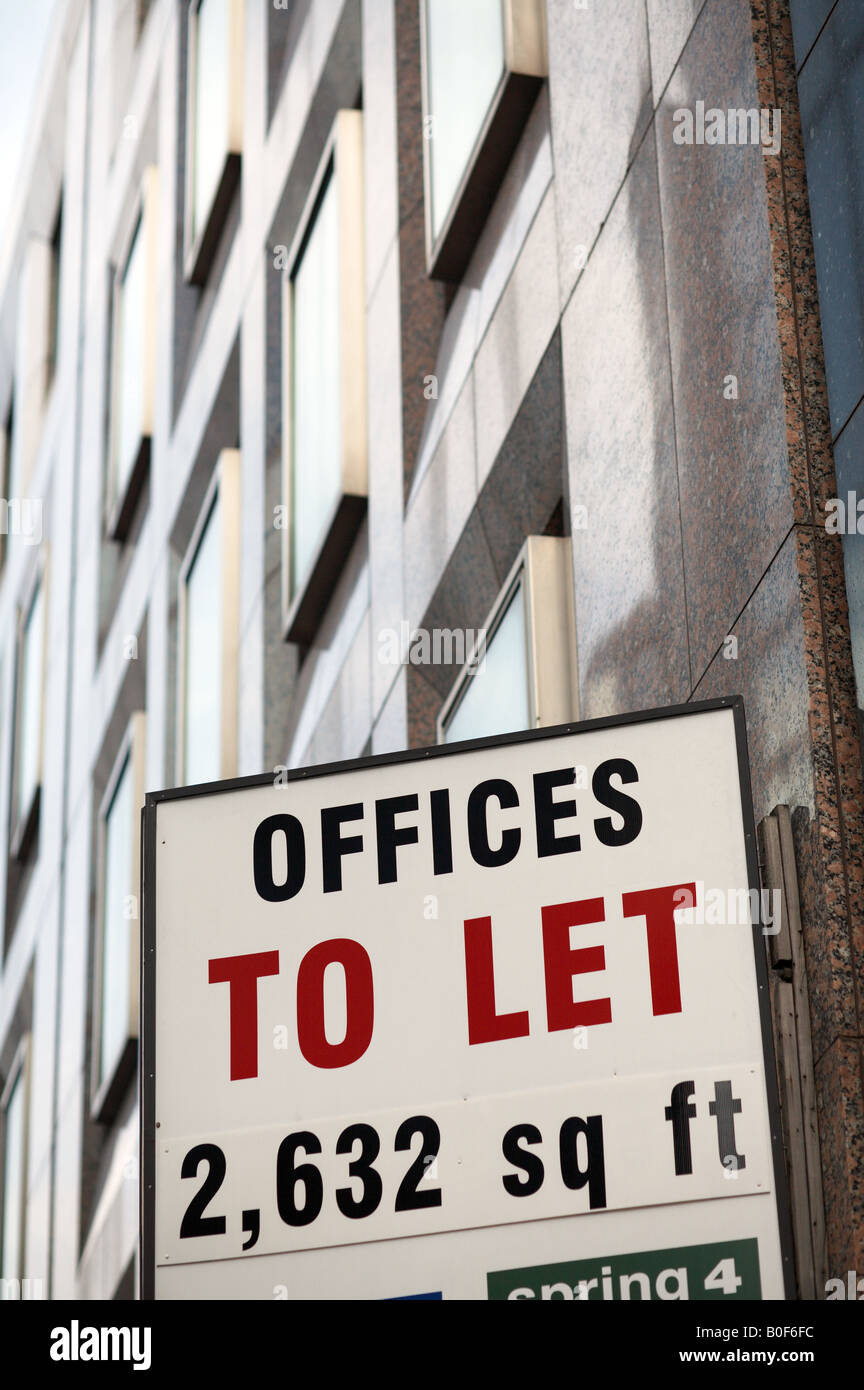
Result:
<point x="31" y="705"/>
<point x="496" y="697"/>
<point x="129" y="398"/>
<point x="116" y="926"/>
<point x="316" y="469"/>
<point x="210" y="115"/>
<point x="465" y="61"/>
<point x="56" y="250"/>
<point x="203" y="703"/>
<point x="5" y="493"/>
<point x="11" y="477"/>
<point x="13" y="1182"/>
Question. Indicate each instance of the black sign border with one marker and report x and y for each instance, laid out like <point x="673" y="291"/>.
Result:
<point x="147" y="1044"/>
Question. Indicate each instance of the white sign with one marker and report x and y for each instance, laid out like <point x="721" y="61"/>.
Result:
<point x="475" y="1022"/>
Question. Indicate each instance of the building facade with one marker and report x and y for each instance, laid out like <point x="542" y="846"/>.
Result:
<point x="346" y="344"/>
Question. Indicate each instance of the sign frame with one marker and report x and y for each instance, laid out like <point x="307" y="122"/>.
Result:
<point x="147" y="1047"/>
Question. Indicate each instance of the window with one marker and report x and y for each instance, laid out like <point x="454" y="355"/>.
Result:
<point x="142" y="10"/>
<point x="522" y="674"/>
<point x="54" y="304"/>
<point x="315" y="404"/>
<point x="214" y="126"/>
<point x="495" y="699"/>
<point x="10" y="480"/>
<point x="116" y="1002"/>
<point x="133" y="364"/>
<point x="483" y="64"/>
<point x="6" y="481"/>
<point x="28" y="724"/>
<point x="128" y="401"/>
<point x="32" y="358"/>
<point x="13" y="1117"/>
<point x="324" y="391"/>
<point x="465" y="55"/>
<point x="209" y="623"/>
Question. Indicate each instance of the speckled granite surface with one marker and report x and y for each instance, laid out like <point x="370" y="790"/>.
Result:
<point x="831" y="846"/>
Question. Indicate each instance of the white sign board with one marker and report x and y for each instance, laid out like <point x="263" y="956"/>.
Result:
<point x="473" y="1022"/>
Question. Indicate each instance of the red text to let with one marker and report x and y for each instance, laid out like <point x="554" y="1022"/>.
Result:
<point x="561" y="963"/>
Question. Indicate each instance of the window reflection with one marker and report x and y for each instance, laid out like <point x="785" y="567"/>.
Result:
<point x="316" y="468"/>
<point x="115" y="923"/>
<point x="496" y="697"/>
<point x="203" y="672"/>
<point x="31" y="705"/>
<point x="464" y="65"/>
<point x="210" y="106"/>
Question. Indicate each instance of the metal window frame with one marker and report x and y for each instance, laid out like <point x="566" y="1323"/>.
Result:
<point x="19" y="1071"/>
<point x="543" y="568"/>
<point x="524" y="69"/>
<point x="33" y="377"/>
<point x="5" y="475"/>
<point x="790" y="1011"/>
<point x="303" y="604"/>
<point x="226" y="485"/>
<point x="54" y="304"/>
<point x="200" y="241"/>
<point x="24" y="826"/>
<point x="120" y="502"/>
<point x="107" y="1091"/>
<point x="9" y="435"/>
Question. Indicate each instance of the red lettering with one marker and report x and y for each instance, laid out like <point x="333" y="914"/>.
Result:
<point x="657" y="906"/>
<point x="359" y="1003"/>
<point x="484" y="1024"/>
<point x="562" y="962"/>
<point x="241" y="974"/>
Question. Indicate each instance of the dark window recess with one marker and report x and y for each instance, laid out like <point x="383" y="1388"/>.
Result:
<point x="6" y="476"/>
<point x="555" y="525"/>
<point x="310" y="603"/>
<point x="54" y="304"/>
<point x="142" y="11"/>
<point x="480" y="184"/>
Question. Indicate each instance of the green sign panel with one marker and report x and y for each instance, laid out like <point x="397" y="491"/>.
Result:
<point x="727" y="1269"/>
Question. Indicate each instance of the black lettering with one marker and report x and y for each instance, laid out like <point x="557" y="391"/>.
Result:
<point x="251" y="1227"/>
<point x="194" y="1222"/>
<point x="478" y="829"/>
<point x="629" y="810"/>
<point x="388" y="836"/>
<point x="290" y="1175"/>
<point x="442" y="839"/>
<point x="409" y="1197"/>
<point x="594" y="1172"/>
<point x="547" y="811"/>
<point x="530" y="1164"/>
<point x="725" y="1107"/>
<point x="334" y="846"/>
<point x="681" y="1112"/>
<point x="262" y="858"/>
<point x="370" y="1147"/>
